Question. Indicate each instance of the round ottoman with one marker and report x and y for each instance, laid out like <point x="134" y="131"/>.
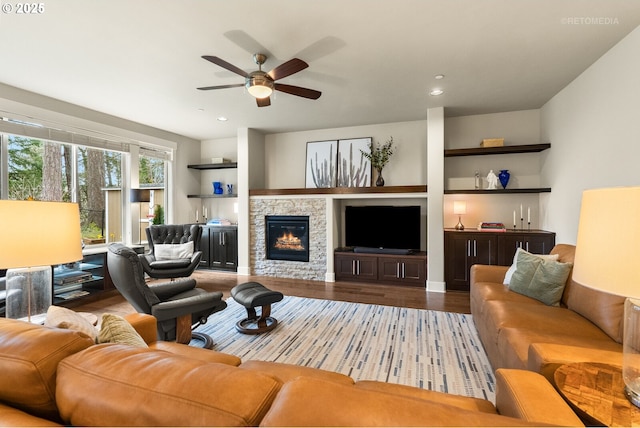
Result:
<point x="251" y="295"/>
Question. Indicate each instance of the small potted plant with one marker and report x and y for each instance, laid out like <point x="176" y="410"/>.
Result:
<point x="379" y="157"/>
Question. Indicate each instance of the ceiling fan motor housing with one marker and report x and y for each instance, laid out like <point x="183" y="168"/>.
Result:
<point x="259" y="84"/>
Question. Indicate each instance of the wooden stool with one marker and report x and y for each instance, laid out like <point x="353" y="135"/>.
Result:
<point x="250" y="295"/>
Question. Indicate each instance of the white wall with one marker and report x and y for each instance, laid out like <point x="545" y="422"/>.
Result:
<point x="285" y="153"/>
<point x="594" y="128"/>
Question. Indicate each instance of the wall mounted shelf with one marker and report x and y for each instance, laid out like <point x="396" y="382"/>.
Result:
<point x="226" y="195"/>
<point x="214" y="165"/>
<point x="504" y="150"/>
<point x="340" y="190"/>
<point x="497" y="191"/>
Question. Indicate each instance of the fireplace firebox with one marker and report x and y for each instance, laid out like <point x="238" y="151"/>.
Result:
<point x="287" y="238"/>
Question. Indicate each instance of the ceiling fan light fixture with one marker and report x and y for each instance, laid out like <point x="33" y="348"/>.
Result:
<point x="259" y="85"/>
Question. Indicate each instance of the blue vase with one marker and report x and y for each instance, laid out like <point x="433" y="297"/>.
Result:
<point x="504" y="177"/>
<point x="217" y="188"/>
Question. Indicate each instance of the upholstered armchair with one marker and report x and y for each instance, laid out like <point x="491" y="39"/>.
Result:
<point x="178" y="305"/>
<point x="174" y="250"/>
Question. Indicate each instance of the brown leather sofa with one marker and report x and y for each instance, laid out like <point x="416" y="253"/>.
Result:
<point x="519" y="332"/>
<point x="54" y="376"/>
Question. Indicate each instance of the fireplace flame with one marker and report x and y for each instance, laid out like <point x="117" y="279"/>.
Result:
<point x="289" y="241"/>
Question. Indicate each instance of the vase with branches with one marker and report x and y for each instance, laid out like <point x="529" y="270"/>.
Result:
<point x="379" y="156"/>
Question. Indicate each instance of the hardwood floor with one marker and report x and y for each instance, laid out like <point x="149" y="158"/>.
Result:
<point x="401" y="296"/>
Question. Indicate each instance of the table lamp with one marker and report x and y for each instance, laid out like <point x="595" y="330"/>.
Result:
<point x="606" y="259"/>
<point x="35" y="236"/>
<point x="459" y="208"/>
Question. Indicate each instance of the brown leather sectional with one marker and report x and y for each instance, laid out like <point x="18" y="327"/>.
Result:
<point x="519" y="332"/>
<point x="54" y="376"/>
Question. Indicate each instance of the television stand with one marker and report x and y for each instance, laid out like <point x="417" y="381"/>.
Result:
<point x="382" y="268"/>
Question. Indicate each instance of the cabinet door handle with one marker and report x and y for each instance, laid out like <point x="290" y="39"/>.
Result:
<point x="353" y="267"/>
<point x="475" y="248"/>
<point x="403" y="270"/>
<point x="468" y="248"/>
<point x="397" y="270"/>
<point x="527" y="245"/>
<point x="358" y="266"/>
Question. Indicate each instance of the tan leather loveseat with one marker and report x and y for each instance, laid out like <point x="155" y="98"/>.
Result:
<point x="54" y="376"/>
<point x="520" y="332"/>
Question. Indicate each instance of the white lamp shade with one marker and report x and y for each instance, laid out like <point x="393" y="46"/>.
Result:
<point x="607" y="246"/>
<point x="459" y="207"/>
<point x="36" y="233"/>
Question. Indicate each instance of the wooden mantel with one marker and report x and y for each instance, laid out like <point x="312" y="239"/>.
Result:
<point x="340" y="190"/>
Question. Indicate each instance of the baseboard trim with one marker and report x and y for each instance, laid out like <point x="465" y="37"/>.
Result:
<point x="242" y="270"/>
<point x="437" y="286"/>
<point x="330" y="277"/>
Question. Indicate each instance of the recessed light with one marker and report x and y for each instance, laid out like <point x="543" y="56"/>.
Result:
<point x="436" y="92"/>
<point x="201" y="109"/>
<point x="439" y="76"/>
<point x="222" y="119"/>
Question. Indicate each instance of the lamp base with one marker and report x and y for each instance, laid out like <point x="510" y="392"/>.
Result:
<point x="29" y="292"/>
<point x="633" y="397"/>
<point x="459" y="226"/>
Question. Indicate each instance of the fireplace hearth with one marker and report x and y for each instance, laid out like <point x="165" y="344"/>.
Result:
<point x="287" y="238"/>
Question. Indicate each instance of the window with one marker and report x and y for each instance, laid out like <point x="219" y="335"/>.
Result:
<point x="39" y="169"/>
<point x="44" y="170"/>
<point x="99" y="194"/>
<point x="152" y="176"/>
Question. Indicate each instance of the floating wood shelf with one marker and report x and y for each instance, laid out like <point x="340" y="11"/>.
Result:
<point x="497" y="191"/>
<point x="340" y="190"/>
<point x="226" y="195"/>
<point x="479" y="151"/>
<point x="226" y="165"/>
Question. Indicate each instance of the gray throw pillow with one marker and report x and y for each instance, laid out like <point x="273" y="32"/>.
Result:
<point x="540" y="279"/>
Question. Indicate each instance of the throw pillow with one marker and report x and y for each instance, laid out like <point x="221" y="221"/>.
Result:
<point x="514" y="265"/>
<point x="173" y="251"/>
<point x="115" y="329"/>
<point x="543" y="280"/>
<point x="60" y="317"/>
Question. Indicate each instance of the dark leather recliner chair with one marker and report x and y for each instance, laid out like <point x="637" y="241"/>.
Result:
<point x="172" y="234"/>
<point x="177" y="305"/>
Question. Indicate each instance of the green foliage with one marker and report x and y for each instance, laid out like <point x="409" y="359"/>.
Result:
<point x="380" y="156"/>
<point x="92" y="231"/>
<point x="158" y="215"/>
<point x="151" y="171"/>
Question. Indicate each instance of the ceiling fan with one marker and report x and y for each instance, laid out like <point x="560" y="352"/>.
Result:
<point x="260" y="84"/>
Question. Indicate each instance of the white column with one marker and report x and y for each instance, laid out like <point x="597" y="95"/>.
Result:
<point x="435" y="190"/>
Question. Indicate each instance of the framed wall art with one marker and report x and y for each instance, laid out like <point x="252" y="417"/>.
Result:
<point x="354" y="169"/>
<point x="321" y="164"/>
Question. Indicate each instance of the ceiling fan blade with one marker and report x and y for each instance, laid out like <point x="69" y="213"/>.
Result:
<point x="263" y="102"/>
<point x="224" y="64"/>
<point x="297" y="90"/>
<point x="208" y="88"/>
<point x="288" y="68"/>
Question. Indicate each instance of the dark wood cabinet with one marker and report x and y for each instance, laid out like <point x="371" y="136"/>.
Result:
<point x="534" y="242"/>
<point x="383" y="268"/>
<point x="464" y="248"/>
<point x="356" y="267"/>
<point x="219" y="246"/>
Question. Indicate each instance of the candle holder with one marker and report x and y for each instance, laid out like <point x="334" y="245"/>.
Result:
<point x="521" y="223"/>
<point x="528" y="225"/>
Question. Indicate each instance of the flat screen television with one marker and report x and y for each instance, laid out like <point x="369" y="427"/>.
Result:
<point x="383" y="227"/>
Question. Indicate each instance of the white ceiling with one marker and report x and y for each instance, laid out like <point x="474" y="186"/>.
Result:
<point x="373" y="60"/>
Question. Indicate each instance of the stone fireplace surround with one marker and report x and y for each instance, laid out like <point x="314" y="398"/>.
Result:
<point x="315" y="208"/>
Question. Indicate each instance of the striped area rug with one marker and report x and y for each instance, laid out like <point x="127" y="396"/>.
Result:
<point x="440" y="351"/>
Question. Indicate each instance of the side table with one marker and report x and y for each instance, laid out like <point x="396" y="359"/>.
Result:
<point x="595" y="391"/>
